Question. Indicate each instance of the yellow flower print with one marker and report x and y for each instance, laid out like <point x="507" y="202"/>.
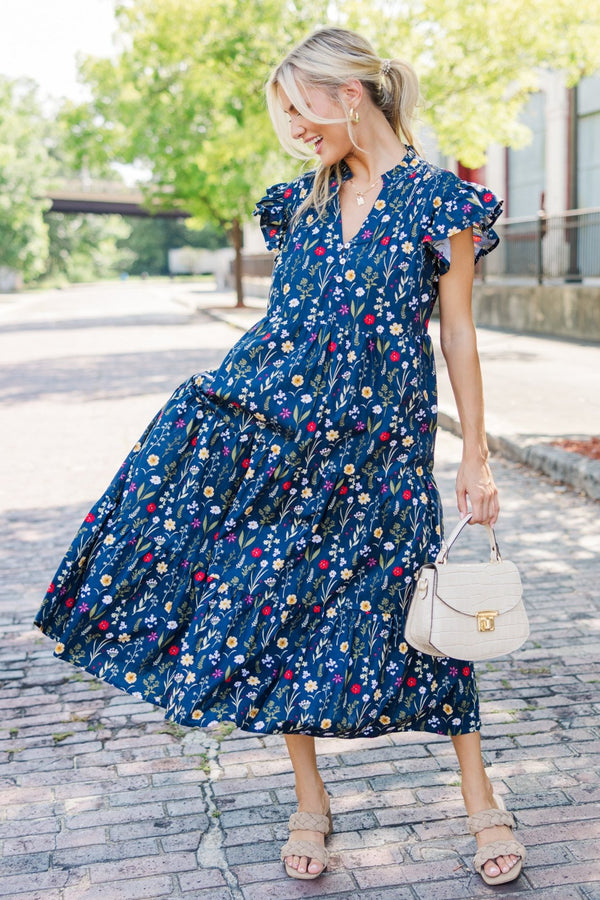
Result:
<point x="364" y="497"/>
<point x="350" y="275"/>
<point x="447" y="708"/>
<point x="437" y="202"/>
<point x="403" y="647"/>
<point x="286" y="289"/>
<point x="275" y="448"/>
<point x="367" y="392"/>
<point x="232" y="642"/>
<point x="408" y="441"/>
<point x="378" y="532"/>
<point x="109" y="539"/>
<point x="287" y="346"/>
<point x="278" y="564"/>
<point x="396" y="328"/>
<point x="408" y="246"/>
<point x="225" y="603"/>
<point x="153" y="459"/>
<point x="344" y="646"/>
<point x="291" y="599"/>
<point x="349" y="469"/>
<point x="124" y="638"/>
<point x="452" y="231"/>
<point x="379" y="204"/>
<point x="365" y="606"/>
<point x="282" y="643"/>
<point x="385" y="720"/>
<point x="332" y="434"/>
<point x="419" y="470"/>
<point x="325" y="723"/>
<point x="253" y="680"/>
<point x="196" y="715"/>
<point x="203" y="452"/>
<point x="351" y="356"/>
<point x="297" y="380"/>
<point x="209" y="491"/>
<point x="306" y="492"/>
<point x="253" y="712"/>
<point x="187" y="659"/>
<point x="170" y="525"/>
<point x="346" y="574"/>
<point x="310" y="219"/>
<point x="106" y="580"/>
<point x="137" y="446"/>
<point x="130" y="677"/>
<point x="311" y="686"/>
<point x="190" y="678"/>
<point x="60" y="648"/>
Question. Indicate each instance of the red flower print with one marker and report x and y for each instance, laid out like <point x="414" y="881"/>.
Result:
<point x="199" y="576"/>
<point x="411" y="682"/>
<point x="476" y="238"/>
<point x="90" y="517"/>
<point x="320" y="251"/>
<point x="288" y="193"/>
<point x="272" y="232"/>
<point x="265" y="338"/>
<point x="209" y="579"/>
<point x="343" y="489"/>
<point x="173" y="650"/>
<point x="331" y="346"/>
<point x="50" y="588"/>
<point x="286" y="485"/>
<point x="385" y="240"/>
<point x="466" y="671"/>
<point x="397" y="571"/>
<point x="151" y="507"/>
<point x="316" y="608"/>
<point x="148" y="557"/>
<point x="256" y="552"/>
<point x="369" y="319"/>
<point x="355" y="688"/>
<point x="103" y="625"/>
<point x="406" y="495"/>
<point x="194" y="441"/>
<point x="488" y="197"/>
<point x="427" y="238"/>
<point x="426" y="323"/>
<point x="70" y="602"/>
<point x="288" y="674"/>
<point x="266" y="610"/>
<point x="245" y="463"/>
<point x="312" y="426"/>
<point x="384" y="436"/>
<point x="324" y="564"/>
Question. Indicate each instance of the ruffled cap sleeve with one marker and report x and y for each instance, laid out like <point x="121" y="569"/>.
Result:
<point x="274" y="212"/>
<point x="455" y="206"/>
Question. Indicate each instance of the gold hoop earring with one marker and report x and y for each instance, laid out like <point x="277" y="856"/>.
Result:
<point x="354" y="116"/>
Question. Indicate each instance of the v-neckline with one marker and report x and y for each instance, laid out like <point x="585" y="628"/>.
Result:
<point x="384" y="185"/>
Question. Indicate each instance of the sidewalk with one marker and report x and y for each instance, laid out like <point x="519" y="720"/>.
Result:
<point x="537" y="390"/>
<point x="101" y="799"/>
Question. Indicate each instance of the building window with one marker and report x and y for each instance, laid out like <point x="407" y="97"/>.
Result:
<point x="527" y="166"/>
<point x="588" y="142"/>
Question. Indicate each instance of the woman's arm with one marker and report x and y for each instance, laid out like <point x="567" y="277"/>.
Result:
<point x="459" y="346"/>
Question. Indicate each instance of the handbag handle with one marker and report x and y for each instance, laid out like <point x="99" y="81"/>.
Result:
<point x="446" y="546"/>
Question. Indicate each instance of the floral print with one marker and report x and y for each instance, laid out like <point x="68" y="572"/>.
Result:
<point x="253" y="558"/>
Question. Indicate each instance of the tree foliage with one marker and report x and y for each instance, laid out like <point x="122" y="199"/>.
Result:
<point x="24" y="167"/>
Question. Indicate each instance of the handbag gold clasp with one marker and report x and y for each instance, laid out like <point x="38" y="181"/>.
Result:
<point x="485" y="619"/>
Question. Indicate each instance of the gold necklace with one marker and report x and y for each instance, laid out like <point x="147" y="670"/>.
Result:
<point x="360" y="195"/>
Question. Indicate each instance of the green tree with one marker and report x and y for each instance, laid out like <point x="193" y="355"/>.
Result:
<point x="150" y="240"/>
<point x="24" y="168"/>
<point x="86" y="247"/>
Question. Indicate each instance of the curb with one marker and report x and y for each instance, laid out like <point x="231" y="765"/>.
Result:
<point x="573" y="469"/>
<point x="579" y="472"/>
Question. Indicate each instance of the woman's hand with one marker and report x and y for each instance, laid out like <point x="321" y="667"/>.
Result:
<point x="475" y="481"/>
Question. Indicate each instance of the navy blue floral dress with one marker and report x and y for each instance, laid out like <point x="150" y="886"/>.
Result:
<point x="252" y="559"/>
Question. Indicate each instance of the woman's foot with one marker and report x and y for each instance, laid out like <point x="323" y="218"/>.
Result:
<point x="477" y="799"/>
<point x="313" y="800"/>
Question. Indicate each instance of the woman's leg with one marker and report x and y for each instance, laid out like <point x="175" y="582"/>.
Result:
<point x="311" y="794"/>
<point x="477" y="793"/>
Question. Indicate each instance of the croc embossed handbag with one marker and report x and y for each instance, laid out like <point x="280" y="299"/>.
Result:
<point x="467" y="611"/>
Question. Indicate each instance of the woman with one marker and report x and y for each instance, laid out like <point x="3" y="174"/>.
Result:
<point x="253" y="559"/>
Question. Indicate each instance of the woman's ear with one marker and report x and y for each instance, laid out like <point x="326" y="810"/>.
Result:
<point x="351" y="93"/>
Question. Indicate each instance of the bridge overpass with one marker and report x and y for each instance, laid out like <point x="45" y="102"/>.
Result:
<point x="106" y="198"/>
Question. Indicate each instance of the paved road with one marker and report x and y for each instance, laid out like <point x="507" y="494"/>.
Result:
<point x="103" y="799"/>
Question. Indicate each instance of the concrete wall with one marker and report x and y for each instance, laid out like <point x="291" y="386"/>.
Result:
<point x="561" y="310"/>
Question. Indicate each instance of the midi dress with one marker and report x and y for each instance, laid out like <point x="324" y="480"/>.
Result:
<point x="253" y="558"/>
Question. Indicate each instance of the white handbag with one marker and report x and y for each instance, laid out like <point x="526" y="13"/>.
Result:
<point x="468" y="611"/>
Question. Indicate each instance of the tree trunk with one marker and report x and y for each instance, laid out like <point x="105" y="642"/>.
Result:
<point x="236" y="238"/>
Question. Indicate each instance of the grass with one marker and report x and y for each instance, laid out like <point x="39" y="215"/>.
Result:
<point x="62" y="736"/>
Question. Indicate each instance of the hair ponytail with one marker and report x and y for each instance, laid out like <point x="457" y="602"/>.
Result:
<point x="328" y="59"/>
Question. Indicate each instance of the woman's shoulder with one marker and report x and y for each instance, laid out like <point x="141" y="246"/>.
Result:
<point x="278" y="205"/>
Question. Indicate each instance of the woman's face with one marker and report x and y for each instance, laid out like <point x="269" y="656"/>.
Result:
<point x="331" y="142"/>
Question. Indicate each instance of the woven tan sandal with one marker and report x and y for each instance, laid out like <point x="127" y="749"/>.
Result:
<point x="498" y="815"/>
<point x="307" y="821"/>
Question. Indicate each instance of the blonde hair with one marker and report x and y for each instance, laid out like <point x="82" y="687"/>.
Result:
<point x="328" y="59"/>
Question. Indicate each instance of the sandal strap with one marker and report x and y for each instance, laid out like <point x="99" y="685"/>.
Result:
<point x="305" y="848"/>
<point x="489" y="817"/>
<point x="307" y="821"/>
<point x="496" y="849"/>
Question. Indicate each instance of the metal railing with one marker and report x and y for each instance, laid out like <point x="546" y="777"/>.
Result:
<point x="565" y="246"/>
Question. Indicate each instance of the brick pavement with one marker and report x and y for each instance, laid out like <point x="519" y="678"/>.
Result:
<point x="101" y="798"/>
